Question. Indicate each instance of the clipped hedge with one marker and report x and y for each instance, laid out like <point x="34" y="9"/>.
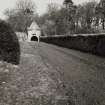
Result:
<point x="93" y="44"/>
<point x="9" y="45"/>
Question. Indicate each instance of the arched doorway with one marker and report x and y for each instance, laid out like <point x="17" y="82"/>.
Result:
<point x="34" y="38"/>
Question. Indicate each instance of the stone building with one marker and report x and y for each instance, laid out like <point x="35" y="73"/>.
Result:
<point x="34" y="32"/>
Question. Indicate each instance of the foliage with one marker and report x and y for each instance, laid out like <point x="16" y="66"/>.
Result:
<point x="67" y="2"/>
<point x="85" y="17"/>
<point x="100" y="11"/>
<point x="72" y="18"/>
<point x="94" y="44"/>
<point x="9" y="45"/>
<point x="48" y="27"/>
<point x="22" y="15"/>
<point x="49" y="20"/>
<point x="88" y="17"/>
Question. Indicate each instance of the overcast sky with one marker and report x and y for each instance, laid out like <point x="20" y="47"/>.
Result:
<point x="41" y="4"/>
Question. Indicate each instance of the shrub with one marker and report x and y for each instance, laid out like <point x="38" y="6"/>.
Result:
<point x="9" y="45"/>
<point x="93" y="44"/>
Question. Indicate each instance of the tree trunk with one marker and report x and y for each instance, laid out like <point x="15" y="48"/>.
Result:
<point x="103" y="23"/>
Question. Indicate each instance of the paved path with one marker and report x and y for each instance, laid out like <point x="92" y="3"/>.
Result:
<point x="51" y="75"/>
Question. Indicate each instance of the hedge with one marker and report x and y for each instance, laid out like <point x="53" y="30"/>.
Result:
<point x="91" y="43"/>
<point x="9" y="45"/>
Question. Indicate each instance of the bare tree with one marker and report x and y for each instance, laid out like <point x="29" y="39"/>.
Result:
<point x="22" y="15"/>
<point x="27" y="6"/>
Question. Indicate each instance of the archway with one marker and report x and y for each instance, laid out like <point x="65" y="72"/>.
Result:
<point x="34" y="38"/>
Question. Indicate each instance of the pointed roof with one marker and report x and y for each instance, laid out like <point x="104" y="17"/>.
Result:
<point x="34" y="26"/>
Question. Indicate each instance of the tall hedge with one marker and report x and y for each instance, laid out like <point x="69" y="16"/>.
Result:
<point x="9" y="45"/>
<point x="93" y="44"/>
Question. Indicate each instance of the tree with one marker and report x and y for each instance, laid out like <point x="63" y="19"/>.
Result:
<point x="48" y="27"/>
<point x="61" y="26"/>
<point x="85" y="17"/>
<point x="53" y="10"/>
<point x="22" y="15"/>
<point x="26" y="6"/>
<point x="67" y="2"/>
<point x="70" y="13"/>
<point x="49" y="20"/>
<point x="88" y="13"/>
<point x="100" y="10"/>
<point x="54" y="20"/>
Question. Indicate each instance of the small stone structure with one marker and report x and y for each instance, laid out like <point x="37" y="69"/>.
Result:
<point x="34" y="32"/>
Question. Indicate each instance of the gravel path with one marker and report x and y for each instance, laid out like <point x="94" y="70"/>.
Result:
<point x="32" y="82"/>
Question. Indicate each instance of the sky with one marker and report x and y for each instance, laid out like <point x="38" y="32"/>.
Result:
<point x="40" y="4"/>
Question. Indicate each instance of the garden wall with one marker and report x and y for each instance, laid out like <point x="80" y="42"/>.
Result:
<point x="88" y="43"/>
